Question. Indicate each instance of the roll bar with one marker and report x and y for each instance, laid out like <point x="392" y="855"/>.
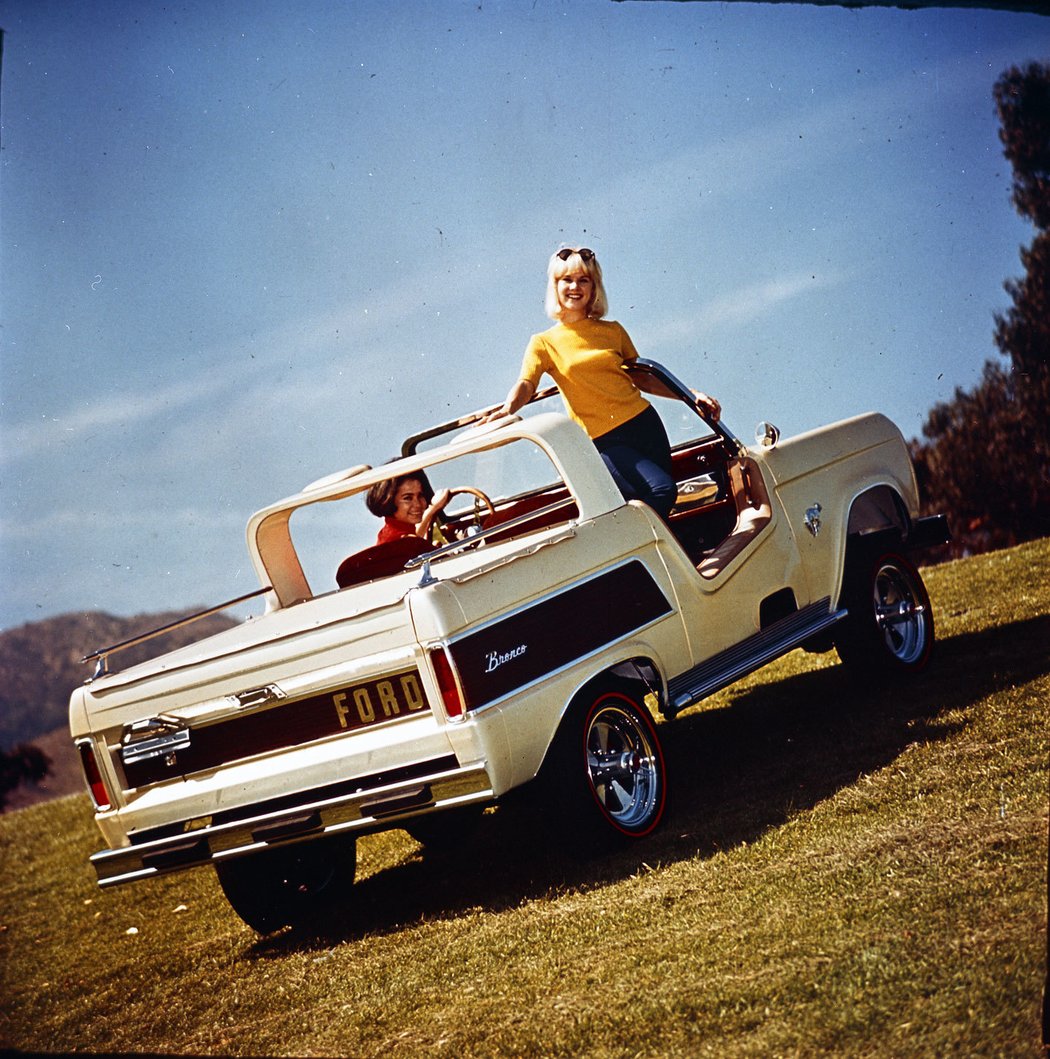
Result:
<point x="671" y="385"/>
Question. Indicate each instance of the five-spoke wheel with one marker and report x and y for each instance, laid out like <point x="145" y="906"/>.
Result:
<point x="606" y="772"/>
<point x="890" y="624"/>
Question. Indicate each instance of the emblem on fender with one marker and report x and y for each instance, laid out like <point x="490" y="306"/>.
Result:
<point x="812" y="519"/>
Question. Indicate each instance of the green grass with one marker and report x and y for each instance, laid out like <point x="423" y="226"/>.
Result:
<point x="845" y="872"/>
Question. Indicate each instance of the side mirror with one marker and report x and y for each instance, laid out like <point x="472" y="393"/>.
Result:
<point x="767" y="435"/>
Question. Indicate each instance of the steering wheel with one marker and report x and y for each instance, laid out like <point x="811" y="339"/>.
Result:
<point x="480" y="496"/>
<point x="472" y="530"/>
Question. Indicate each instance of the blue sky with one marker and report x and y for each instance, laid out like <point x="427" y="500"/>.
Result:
<point x="248" y="243"/>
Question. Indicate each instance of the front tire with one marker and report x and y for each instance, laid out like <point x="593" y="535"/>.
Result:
<point x="890" y="623"/>
<point x="606" y="776"/>
<point x="289" y="885"/>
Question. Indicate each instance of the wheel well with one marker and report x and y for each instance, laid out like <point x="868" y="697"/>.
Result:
<point x="643" y="673"/>
<point x="877" y="518"/>
<point x="639" y="673"/>
<point x="877" y="510"/>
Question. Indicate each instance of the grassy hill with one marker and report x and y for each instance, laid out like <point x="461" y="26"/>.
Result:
<point x="846" y="872"/>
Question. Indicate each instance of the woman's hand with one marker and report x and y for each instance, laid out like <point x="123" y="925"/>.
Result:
<point x="492" y="416"/>
<point x="708" y="406"/>
<point x="437" y="505"/>
<point x="520" y="394"/>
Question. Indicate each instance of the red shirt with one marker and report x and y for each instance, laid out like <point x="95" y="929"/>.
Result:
<point x="393" y="529"/>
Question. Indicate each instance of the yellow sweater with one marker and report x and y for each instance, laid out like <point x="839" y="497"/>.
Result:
<point x="586" y="361"/>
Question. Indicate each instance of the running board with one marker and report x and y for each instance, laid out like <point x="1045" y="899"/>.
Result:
<point x="735" y="662"/>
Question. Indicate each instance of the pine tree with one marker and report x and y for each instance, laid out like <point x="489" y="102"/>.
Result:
<point x="986" y="460"/>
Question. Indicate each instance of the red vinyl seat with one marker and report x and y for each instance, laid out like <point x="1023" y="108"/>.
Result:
<point x="381" y="560"/>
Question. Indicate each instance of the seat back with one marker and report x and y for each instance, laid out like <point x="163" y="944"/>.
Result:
<point x="381" y="560"/>
<point x="524" y="507"/>
<point x="753" y="513"/>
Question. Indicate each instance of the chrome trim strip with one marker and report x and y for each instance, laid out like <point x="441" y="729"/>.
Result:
<point x="565" y="667"/>
<point x="101" y="656"/>
<point x="521" y="608"/>
<point x="453" y="547"/>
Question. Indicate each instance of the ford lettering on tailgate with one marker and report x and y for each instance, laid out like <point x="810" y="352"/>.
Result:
<point x="379" y="700"/>
<point x="289" y="724"/>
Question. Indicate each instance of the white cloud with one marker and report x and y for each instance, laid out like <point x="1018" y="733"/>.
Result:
<point x="302" y="344"/>
<point x="123" y="410"/>
<point x="740" y="306"/>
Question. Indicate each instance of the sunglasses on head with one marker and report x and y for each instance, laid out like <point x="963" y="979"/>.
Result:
<point x="585" y="255"/>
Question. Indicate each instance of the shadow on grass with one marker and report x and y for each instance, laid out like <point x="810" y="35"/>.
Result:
<point x="736" y="772"/>
<point x="785" y="746"/>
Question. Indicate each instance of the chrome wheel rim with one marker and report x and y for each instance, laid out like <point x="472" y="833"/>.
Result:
<point x="623" y="767"/>
<point x="900" y="613"/>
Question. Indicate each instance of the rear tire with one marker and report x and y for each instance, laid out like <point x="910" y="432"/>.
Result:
<point x="289" y="885"/>
<point x="890" y="624"/>
<point x="606" y="777"/>
<point x="449" y="830"/>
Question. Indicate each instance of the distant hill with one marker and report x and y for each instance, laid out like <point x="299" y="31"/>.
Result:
<point x="40" y="665"/>
<point x="40" y="662"/>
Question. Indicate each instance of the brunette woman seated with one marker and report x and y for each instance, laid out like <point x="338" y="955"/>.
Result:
<point x="408" y="506"/>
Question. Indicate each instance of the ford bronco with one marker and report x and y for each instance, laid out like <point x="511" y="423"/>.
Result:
<point x="412" y="685"/>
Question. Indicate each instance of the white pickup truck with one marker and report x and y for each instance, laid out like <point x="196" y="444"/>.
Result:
<point x="411" y="685"/>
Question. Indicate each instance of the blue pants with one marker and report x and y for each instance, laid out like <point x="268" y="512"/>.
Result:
<point x="638" y="456"/>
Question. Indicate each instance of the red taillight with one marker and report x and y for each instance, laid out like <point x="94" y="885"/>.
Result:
<point x="447" y="685"/>
<point x="99" y="794"/>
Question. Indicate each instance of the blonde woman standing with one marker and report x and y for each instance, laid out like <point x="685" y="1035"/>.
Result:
<point x="585" y="355"/>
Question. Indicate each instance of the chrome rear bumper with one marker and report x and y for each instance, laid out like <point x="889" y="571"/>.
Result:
<point x="365" y="810"/>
